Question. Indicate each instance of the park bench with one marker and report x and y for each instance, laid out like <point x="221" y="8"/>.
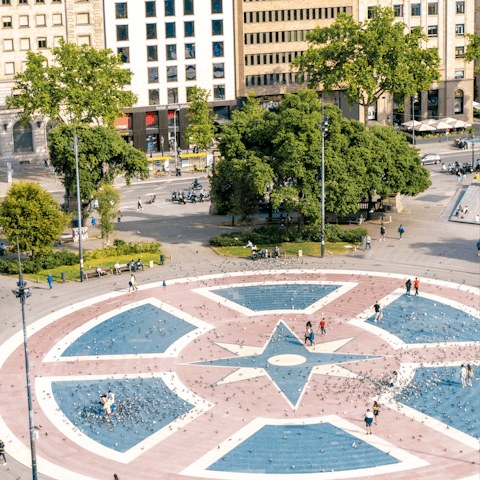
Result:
<point x="93" y="273"/>
<point x="123" y="267"/>
<point x="25" y="162"/>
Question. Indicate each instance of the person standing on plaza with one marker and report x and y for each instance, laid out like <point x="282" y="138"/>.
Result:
<point x="50" y="280"/>
<point x="416" y="284"/>
<point x="367" y="242"/>
<point x="376" y="411"/>
<point x="463" y="376"/>
<point x="408" y="286"/>
<point x="2" y="452"/>
<point x="469" y="375"/>
<point x="378" y="311"/>
<point x="323" y="328"/>
<point x="139" y="204"/>
<point x="368" y="421"/>
<point x="132" y="285"/>
<point x="382" y="233"/>
<point x="401" y="230"/>
<point x="111" y="399"/>
<point x="308" y="333"/>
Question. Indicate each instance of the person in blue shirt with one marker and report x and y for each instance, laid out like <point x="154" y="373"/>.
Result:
<point x="50" y="281"/>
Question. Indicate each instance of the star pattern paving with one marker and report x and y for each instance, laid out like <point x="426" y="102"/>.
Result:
<point x="287" y="361"/>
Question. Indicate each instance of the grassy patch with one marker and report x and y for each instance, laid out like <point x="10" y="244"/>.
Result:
<point x="308" y="248"/>
<point x="73" y="271"/>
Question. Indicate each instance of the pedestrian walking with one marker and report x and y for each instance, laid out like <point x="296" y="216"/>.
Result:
<point x="376" y="411"/>
<point x="2" y="452"/>
<point x="367" y="242"/>
<point x="368" y="421"/>
<point x="469" y="375"/>
<point x="408" y="286"/>
<point x="111" y="399"/>
<point x="382" y="233"/>
<point x="50" y="280"/>
<point x="459" y="176"/>
<point x="401" y="230"/>
<point x="416" y="284"/>
<point x="132" y="284"/>
<point x="139" y="204"/>
<point x="378" y="311"/>
<point x="463" y="376"/>
<point x="309" y="333"/>
<point x="323" y="328"/>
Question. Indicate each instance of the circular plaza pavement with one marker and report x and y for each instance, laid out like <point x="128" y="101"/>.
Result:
<point x="212" y="379"/>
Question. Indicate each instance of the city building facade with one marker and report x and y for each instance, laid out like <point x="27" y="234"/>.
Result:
<point x="171" y="46"/>
<point x="38" y="25"/>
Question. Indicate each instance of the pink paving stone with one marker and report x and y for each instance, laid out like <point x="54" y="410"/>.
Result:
<point x="192" y="442"/>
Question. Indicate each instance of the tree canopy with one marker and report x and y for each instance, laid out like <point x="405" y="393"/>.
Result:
<point x="201" y="130"/>
<point x="472" y="53"/>
<point x="109" y="199"/>
<point x="31" y="213"/>
<point x="359" y="163"/>
<point x="102" y="155"/>
<point x="81" y="84"/>
<point x="370" y="58"/>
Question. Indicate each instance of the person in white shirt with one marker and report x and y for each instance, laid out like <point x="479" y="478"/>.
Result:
<point x="117" y="268"/>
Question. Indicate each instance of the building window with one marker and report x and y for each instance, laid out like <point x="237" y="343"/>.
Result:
<point x="9" y="68"/>
<point x="415" y="10"/>
<point x="217" y="49"/>
<point x="190" y="72"/>
<point x="83" y="19"/>
<point x="460" y="30"/>
<point x="188" y="7"/>
<point x="170" y="30"/>
<point x="23" y="2"/>
<point x="42" y="42"/>
<point x="189" y="50"/>
<point x="6" y="2"/>
<point x="460" y="7"/>
<point x="458" y="102"/>
<point x="23" y="20"/>
<point x="154" y="96"/>
<point x="57" y="19"/>
<point x="152" y="53"/>
<point x="124" y="53"/>
<point x="151" y="30"/>
<point x="171" y="52"/>
<point x="217" y="6"/>
<point x="372" y="112"/>
<point x="40" y="1"/>
<point x="151" y="119"/>
<point x="122" y="33"/>
<point x="8" y="45"/>
<point x="219" y="92"/>
<point x="22" y="138"/>
<point x="172" y="95"/>
<point x="152" y="75"/>
<point x="189" y="28"/>
<point x="432" y="104"/>
<point x="84" y="40"/>
<point x="218" y="70"/>
<point x="24" y="44"/>
<point x="217" y="27"/>
<point x="398" y="9"/>
<point x="369" y="12"/>
<point x="7" y="22"/>
<point x="459" y="73"/>
<point x="41" y="21"/>
<point x="433" y="31"/>
<point x="433" y="8"/>
<point x="459" y="51"/>
<point x="172" y="74"/>
<point x="169" y="8"/>
<point x="150" y="9"/>
<point x="121" y="10"/>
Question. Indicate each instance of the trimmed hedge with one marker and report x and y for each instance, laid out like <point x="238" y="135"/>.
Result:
<point x="270" y="236"/>
<point x="68" y="258"/>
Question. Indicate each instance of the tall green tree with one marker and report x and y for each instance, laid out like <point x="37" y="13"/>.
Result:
<point x="81" y="84"/>
<point x="102" y="156"/>
<point x="31" y="213"/>
<point x="472" y="52"/>
<point x="201" y="130"/>
<point x="368" y="59"/>
<point x="109" y="199"/>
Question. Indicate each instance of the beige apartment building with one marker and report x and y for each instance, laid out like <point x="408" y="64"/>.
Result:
<point x="270" y="33"/>
<point x="477" y="63"/>
<point x="37" y="25"/>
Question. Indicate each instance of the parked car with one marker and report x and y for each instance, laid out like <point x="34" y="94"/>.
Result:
<point x="431" y="158"/>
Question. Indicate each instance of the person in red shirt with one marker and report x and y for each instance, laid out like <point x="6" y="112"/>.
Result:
<point x="322" y="327"/>
<point x="416" y="284"/>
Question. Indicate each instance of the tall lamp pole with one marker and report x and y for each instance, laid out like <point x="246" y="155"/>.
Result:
<point x="473" y="151"/>
<point x="22" y="293"/>
<point x="414" y="98"/>
<point x="175" y="135"/>
<point x="80" y="251"/>
<point x="324" y="130"/>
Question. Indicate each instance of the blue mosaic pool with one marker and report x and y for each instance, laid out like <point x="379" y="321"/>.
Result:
<point x="276" y="297"/>
<point x="145" y="329"/>
<point x="438" y="392"/>
<point x="142" y="407"/>
<point x="421" y="320"/>
<point x="290" y="449"/>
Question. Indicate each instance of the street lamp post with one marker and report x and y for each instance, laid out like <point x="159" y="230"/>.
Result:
<point x="413" y="118"/>
<point x="22" y="293"/>
<point x="384" y="109"/>
<point x="473" y="151"/>
<point x="175" y="134"/>
<point x="324" y="130"/>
